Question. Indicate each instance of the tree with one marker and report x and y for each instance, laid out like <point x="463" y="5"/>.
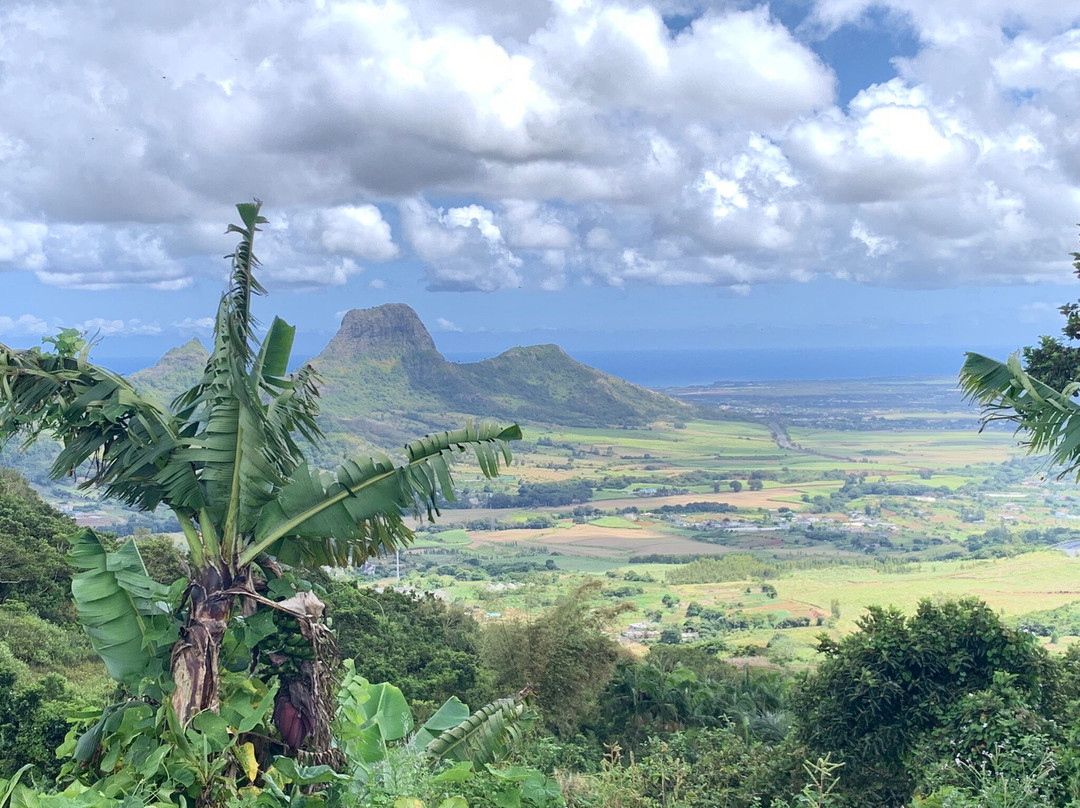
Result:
<point x="882" y="694"/>
<point x="428" y="648"/>
<point x="226" y="460"/>
<point x="32" y="547"/>
<point x="736" y="486"/>
<point x="1037" y="396"/>
<point x="565" y="653"/>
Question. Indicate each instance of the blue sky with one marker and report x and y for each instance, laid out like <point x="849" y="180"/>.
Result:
<point x="604" y="175"/>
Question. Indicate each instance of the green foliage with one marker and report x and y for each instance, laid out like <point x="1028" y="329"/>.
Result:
<point x="1046" y="416"/>
<point x="173" y="374"/>
<point x="39" y="643"/>
<point x="564" y="653"/>
<point x="679" y="688"/>
<point x="162" y="559"/>
<point x="1064" y="620"/>
<point x="708" y="768"/>
<point x="1053" y="361"/>
<point x="137" y="746"/>
<point x="428" y="648"/>
<point x="880" y="694"/>
<point x="986" y="787"/>
<point x="32" y="548"/>
<point x="729" y="567"/>
<point x="484" y="736"/>
<point x="543" y="495"/>
<point x="198" y="682"/>
<point x="126" y="614"/>
<point x="452" y="753"/>
<point x="33" y="720"/>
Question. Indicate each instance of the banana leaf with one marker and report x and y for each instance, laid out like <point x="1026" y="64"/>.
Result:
<point x="120" y="607"/>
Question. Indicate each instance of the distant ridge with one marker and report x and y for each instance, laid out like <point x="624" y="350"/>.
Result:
<point x="383" y="359"/>
<point x="174" y="373"/>
<point x="384" y="381"/>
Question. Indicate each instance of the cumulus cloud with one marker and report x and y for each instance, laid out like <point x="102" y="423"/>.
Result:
<point x="119" y="328"/>
<point x="359" y="230"/>
<point x="195" y="324"/>
<point x="874" y="245"/>
<point x="463" y="248"/>
<point x="447" y="325"/>
<point x="24" y="324"/>
<point x="892" y="143"/>
<point x="558" y="141"/>
<point x="22" y="245"/>
<point x="313" y="276"/>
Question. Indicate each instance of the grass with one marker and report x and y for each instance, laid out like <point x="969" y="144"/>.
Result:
<point x="615" y="521"/>
<point x="459" y="537"/>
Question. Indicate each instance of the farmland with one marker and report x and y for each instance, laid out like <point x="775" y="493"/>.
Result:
<point x="914" y="503"/>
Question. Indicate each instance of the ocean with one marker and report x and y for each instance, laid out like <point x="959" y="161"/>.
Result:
<point x="677" y="368"/>
<point x="683" y="368"/>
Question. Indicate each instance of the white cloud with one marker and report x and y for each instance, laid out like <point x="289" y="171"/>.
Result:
<point x="462" y="248"/>
<point x="446" y="325"/>
<point x="533" y="226"/>
<point x="313" y="276"/>
<point x="24" y="324"/>
<point x="568" y="141"/>
<point x="892" y="144"/>
<point x="751" y="200"/>
<point x="359" y="230"/>
<point x="21" y="245"/>
<point x="734" y="65"/>
<point x="376" y="283"/>
<point x="195" y="324"/>
<point x="118" y="328"/>
<point x="949" y="22"/>
<point x="874" y="245"/>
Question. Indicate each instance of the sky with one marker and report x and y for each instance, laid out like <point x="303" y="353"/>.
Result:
<point x="801" y="177"/>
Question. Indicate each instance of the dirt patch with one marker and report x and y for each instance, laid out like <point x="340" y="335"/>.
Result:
<point x="600" y="542"/>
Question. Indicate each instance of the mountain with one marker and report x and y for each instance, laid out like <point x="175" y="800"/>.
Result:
<point x="384" y="382"/>
<point x="384" y="360"/>
<point x="174" y="373"/>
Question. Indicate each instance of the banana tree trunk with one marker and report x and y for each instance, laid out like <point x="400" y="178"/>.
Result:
<point x="195" y="656"/>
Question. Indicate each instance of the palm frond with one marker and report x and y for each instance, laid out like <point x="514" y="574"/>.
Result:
<point x="1048" y="419"/>
<point x="356" y="512"/>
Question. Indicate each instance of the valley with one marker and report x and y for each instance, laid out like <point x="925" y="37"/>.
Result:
<point x="836" y="494"/>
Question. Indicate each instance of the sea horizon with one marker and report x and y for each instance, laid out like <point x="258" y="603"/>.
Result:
<point x="664" y="368"/>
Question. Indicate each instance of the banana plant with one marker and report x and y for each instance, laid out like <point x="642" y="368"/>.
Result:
<point x="375" y="730"/>
<point x="226" y="459"/>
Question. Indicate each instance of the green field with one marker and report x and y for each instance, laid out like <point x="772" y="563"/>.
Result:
<point x="912" y="508"/>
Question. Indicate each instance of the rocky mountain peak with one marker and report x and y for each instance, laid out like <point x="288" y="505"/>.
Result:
<point x="382" y="332"/>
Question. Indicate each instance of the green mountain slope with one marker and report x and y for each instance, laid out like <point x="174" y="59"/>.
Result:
<point x="384" y="382"/>
<point x="174" y="373"/>
<point x="384" y="360"/>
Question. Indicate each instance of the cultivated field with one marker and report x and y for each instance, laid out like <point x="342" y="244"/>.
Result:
<point x="895" y="505"/>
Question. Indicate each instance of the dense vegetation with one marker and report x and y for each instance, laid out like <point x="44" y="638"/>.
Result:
<point x="943" y="707"/>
